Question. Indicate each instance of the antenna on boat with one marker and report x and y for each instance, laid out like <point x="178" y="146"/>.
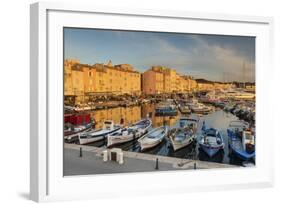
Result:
<point x="203" y="126"/>
<point x="244" y="74"/>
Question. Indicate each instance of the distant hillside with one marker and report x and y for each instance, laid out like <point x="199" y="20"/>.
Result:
<point x="201" y="80"/>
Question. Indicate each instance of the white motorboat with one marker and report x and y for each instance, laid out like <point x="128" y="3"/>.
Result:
<point x="95" y="135"/>
<point x="129" y="133"/>
<point x="153" y="138"/>
<point x="200" y="108"/>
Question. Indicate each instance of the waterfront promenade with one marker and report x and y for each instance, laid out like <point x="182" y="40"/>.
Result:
<point x="91" y="162"/>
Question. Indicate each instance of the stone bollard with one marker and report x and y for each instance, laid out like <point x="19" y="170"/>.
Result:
<point x="105" y="155"/>
<point x="157" y="164"/>
<point x="80" y="155"/>
<point x="121" y="158"/>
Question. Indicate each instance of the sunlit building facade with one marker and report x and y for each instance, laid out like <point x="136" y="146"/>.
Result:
<point x="83" y="79"/>
<point x="161" y="79"/>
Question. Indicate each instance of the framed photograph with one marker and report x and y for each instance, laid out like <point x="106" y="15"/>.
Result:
<point x="173" y="101"/>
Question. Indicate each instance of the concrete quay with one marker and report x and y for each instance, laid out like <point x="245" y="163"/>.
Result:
<point x="91" y="162"/>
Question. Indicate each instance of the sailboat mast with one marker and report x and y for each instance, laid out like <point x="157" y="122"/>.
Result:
<point x="244" y="73"/>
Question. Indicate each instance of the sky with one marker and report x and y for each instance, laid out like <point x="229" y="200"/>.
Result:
<point x="212" y="57"/>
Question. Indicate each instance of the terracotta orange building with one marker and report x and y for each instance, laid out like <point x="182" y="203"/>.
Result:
<point x="161" y="79"/>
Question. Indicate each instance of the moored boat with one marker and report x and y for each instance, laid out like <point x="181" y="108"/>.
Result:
<point x="75" y="124"/>
<point x="166" y="110"/>
<point x="200" y="108"/>
<point x="95" y="135"/>
<point x="153" y="138"/>
<point x="129" y="133"/>
<point x="185" y="134"/>
<point x="211" y="141"/>
<point x="241" y="141"/>
<point x="184" y="109"/>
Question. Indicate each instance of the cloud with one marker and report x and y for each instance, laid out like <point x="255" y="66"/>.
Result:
<point x="203" y="56"/>
<point x="204" y="59"/>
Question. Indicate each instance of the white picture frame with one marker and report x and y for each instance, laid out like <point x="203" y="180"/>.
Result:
<point x="47" y="182"/>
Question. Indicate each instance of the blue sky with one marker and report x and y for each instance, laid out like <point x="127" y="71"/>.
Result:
<point x="213" y="57"/>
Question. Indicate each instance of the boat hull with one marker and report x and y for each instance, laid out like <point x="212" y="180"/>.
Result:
<point x="238" y="151"/>
<point x="243" y="155"/>
<point x="74" y="137"/>
<point x="119" y="139"/>
<point x="179" y="145"/>
<point x="146" y="146"/>
<point x="94" y="138"/>
<point x="200" y="111"/>
<point x="210" y="151"/>
<point x="147" y="143"/>
<point x="114" y="140"/>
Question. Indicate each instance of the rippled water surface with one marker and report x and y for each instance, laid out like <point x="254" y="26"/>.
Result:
<point x="217" y="119"/>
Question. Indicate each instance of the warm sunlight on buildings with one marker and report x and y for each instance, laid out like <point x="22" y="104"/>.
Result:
<point x="161" y="79"/>
<point x="204" y="85"/>
<point x="82" y="79"/>
<point x="73" y="79"/>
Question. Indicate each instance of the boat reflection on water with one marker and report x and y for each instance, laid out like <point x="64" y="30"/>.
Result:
<point x="218" y="157"/>
<point x="129" y="115"/>
<point x="233" y="159"/>
<point x="101" y="143"/>
<point x="188" y="152"/>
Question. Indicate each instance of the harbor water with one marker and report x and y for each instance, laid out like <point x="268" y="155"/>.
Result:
<point x="218" y="119"/>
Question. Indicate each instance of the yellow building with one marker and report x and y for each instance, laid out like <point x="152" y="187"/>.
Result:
<point x="161" y="79"/>
<point x="192" y="84"/>
<point x="152" y="82"/>
<point x="208" y="86"/>
<point x="222" y="86"/>
<point x="73" y="80"/>
<point x="205" y="86"/>
<point x="83" y="79"/>
<point x="118" y="79"/>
